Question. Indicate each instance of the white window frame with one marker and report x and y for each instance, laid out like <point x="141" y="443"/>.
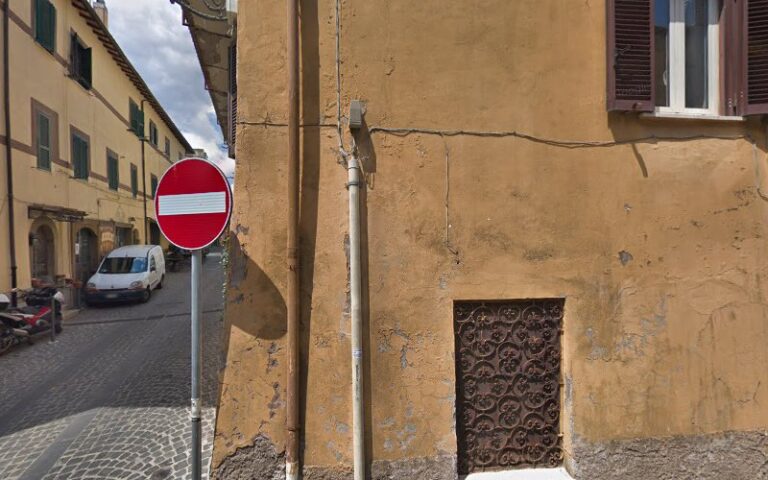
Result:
<point x="676" y="58"/>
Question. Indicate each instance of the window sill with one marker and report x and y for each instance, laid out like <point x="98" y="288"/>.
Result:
<point x="691" y="116"/>
<point x="526" y="474"/>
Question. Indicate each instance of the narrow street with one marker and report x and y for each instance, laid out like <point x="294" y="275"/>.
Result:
<point x="109" y="399"/>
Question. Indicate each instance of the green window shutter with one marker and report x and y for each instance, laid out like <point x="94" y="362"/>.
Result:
<point x="45" y="24"/>
<point x="41" y="22"/>
<point x="133" y="117"/>
<point x="43" y="142"/>
<point x="134" y="181"/>
<point x="113" y="174"/>
<point x="80" y="154"/>
<point x="140" y="133"/>
<point x="73" y="56"/>
<point x="154" y="185"/>
<point x="51" y="27"/>
<point x="77" y="155"/>
<point x="85" y="68"/>
<point x="137" y="119"/>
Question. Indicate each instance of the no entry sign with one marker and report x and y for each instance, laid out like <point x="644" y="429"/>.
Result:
<point x="193" y="203"/>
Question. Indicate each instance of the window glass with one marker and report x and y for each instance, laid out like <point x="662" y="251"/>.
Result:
<point x="123" y="265"/>
<point x="662" y="52"/>
<point x="696" y="53"/>
<point x="153" y="184"/>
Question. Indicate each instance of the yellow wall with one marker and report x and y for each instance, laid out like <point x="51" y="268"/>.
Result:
<point x="668" y="344"/>
<point x="37" y="74"/>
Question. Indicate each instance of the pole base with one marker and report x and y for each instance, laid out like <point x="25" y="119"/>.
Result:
<point x="291" y="471"/>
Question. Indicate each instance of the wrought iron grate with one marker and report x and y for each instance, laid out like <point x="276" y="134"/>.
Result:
<point x="508" y="384"/>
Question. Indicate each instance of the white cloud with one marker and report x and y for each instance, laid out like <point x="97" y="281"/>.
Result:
<point x="151" y="34"/>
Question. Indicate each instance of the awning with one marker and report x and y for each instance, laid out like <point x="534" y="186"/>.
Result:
<point x="61" y="214"/>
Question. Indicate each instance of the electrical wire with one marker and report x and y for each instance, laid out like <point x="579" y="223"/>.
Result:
<point x="570" y="144"/>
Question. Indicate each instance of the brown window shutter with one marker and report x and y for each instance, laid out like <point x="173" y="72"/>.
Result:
<point x="232" y="98"/>
<point x="756" y="40"/>
<point x="733" y="73"/>
<point x="631" y="56"/>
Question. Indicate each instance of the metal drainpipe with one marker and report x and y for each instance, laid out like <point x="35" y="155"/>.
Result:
<point x="292" y="467"/>
<point x="9" y="150"/>
<point x="355" y="288"/>
<point x="144" y="179"/>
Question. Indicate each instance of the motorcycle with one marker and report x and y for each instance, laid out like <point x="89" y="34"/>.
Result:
<point x="20" y="324"/>
<point x="13" y="331"/>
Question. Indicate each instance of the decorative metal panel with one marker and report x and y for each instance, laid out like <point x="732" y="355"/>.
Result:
<point x="508" y="384"/>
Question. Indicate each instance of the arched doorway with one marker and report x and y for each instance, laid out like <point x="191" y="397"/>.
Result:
<point x="42" y="252"/>
<point x="86" y="253"/>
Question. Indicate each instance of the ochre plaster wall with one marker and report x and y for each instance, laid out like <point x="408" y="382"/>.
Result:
<point x="657" y="245"/>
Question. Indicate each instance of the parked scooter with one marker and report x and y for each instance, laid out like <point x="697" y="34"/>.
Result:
<point x="13" y="330"/>
<point x="20" y="324"/>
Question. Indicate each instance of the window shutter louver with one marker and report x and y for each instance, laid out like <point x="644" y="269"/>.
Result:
<point x="51" y="27"/>
<point x="232" y="97"/>
<point x="756" y="39"/>
<point x="733" y="63"/>
<point x="134" y="118"/>
<point x="630" y="52"/>
<point x="41" y="21"/>
<point x="45" y="24"/>
<point x="140" y="116"/>
<point x="43" y="142"/>
<point x="74" y="58"/>
<point x="85" y="67"/>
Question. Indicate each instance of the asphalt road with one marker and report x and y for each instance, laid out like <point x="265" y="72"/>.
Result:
<point x="110" y="398"/>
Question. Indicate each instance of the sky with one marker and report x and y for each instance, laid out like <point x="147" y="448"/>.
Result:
<point x="160" y="48"/>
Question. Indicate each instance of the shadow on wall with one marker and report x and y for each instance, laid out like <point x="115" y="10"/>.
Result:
<point x="630" y="129"/>
<point x="263" y="316"/>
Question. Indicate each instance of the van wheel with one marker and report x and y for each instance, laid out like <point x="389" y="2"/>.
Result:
<point x="160" y="284"/>
<point x="147" y="295"/>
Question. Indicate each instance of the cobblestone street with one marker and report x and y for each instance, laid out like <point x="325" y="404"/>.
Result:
<point x="109" y="399"/>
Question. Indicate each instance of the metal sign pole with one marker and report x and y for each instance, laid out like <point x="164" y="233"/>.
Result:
<point x="197" y="263"/>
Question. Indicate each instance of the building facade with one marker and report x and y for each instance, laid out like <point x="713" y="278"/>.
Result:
<point x="84" y="130"/>
<point x="552" y="276"/>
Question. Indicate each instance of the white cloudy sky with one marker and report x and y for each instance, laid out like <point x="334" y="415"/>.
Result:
<point x="159" y="46"/>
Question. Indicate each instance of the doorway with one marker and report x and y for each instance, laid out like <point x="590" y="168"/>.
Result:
<point x="508" y="384"/>
<point x="42" y="253"/>
<point x="86" y="254"/>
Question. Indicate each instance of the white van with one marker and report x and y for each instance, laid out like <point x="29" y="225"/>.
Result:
<point x="127" y="273"/>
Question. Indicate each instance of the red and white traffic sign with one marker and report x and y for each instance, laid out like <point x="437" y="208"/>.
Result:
<point x="193" y="202"/>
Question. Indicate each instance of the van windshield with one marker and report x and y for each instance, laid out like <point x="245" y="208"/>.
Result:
<point x="123" y="265"/>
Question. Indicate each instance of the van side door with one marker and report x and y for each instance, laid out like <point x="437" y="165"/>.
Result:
<point x="153" y="276"/>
